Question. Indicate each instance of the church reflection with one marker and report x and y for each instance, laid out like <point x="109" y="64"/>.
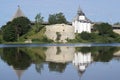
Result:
<point x="61" y="55"/>
<point x="81" y="61"/>
<point x="57" y="58"/>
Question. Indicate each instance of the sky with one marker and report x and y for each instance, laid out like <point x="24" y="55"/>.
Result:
<point x="95" y="10"/>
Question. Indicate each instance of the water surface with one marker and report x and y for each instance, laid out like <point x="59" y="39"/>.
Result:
<point x="62" y="62"/>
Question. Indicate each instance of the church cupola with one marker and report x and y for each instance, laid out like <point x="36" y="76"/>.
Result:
<point x="80" y="12"/>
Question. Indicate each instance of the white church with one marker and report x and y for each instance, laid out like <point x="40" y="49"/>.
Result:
<point x="81" y="22"/>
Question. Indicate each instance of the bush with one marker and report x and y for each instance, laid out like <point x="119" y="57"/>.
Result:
<point x="36" y="40"/>
<point x="43" y="39"/>
<point x="85" y="36"/>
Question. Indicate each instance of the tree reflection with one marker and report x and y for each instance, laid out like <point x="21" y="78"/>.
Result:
<point x="17" y="58"/>
<point x="103" y="54"/>
<point x="57" y="57"/>
<point x="22" y="58"/>
<point x="58" y="67"/>
<point x="37" y="56"/>
<point x="83" y="49"/>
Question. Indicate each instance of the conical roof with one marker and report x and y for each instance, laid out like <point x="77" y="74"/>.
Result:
<point x="18" y="13"/>
<point x="19" y="73"/>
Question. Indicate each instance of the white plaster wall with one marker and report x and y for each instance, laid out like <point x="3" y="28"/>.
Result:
<point x="80" y="27"/>
<point x="81" y="17"/>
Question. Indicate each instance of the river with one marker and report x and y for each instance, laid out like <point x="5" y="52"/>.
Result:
<point x="60" y="61"/>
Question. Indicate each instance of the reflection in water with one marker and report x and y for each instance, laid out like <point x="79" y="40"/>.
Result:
<point x="57" y="58"/>
<point x="58" y="67"/>
<point x="17" y="59"/>
<point x="81" y="61"/>
<point x="59" y="54"/>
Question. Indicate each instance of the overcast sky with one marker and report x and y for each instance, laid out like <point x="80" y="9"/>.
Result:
<point x="95" y="10"/>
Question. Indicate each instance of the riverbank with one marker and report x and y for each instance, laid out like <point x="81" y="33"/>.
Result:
<point x="58" y="44"/>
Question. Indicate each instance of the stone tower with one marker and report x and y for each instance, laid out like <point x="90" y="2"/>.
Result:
<point x="18" y="13"/>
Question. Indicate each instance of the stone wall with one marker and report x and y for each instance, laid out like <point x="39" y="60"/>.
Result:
<point x="64" y="31"/>
<point x="116" y="31"/>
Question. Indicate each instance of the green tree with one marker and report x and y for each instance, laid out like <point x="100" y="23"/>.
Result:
<point x="38" y="22"/>
<point x="57" y="18"/>
<point x="103" y="29"/>
<point x="21" y="24"/>
<point x="18" y="27"/>
<point x="52" y="19"/>
<point x="9" y="34"/>
<point x="60" y="18"/>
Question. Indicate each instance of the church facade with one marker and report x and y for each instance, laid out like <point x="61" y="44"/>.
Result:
<point x="81" y="23"/>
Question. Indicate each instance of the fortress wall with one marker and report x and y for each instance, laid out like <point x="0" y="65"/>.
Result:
<point x="66" y="31"/>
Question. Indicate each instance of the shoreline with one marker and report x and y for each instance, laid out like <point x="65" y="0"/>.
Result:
<point x="60" y="44"/>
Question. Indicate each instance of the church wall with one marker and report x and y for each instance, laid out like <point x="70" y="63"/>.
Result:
<point x="81" y="17"/>
<point x="80" y="27"/>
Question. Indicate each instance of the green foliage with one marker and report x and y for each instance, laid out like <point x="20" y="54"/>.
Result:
<point x="36" y="37"/>
<point x="13" y="30"/>
<point x="85" y="36"/>
<point x="104" y="29"/>
<point x="57" y="18"/>
<point x="38" y="22"/>
<point x="43" y="39"/>
<point x="52" y="19"/>
<point x="9" y="34"/>
<point x="21" y="24"/>
<point x="102" y="33"/>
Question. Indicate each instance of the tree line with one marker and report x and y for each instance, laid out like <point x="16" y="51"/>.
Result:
<point x="13" y="30"/>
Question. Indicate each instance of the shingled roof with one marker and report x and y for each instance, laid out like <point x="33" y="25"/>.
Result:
<point x="81" y="13"/>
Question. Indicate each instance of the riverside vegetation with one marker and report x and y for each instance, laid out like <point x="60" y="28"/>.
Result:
<point x="20" y="29"/>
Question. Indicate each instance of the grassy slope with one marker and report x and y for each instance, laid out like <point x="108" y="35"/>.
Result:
<point x="33" y="35"/>
<point x="37" y="54"/>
